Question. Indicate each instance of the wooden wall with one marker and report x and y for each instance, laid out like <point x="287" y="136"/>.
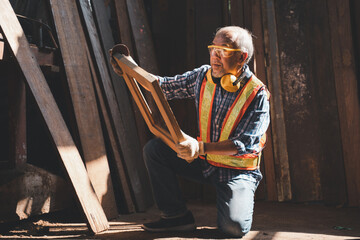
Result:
<point x="312" y="155"/>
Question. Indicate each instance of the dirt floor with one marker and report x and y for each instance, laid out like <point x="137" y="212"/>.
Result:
<point x="272" y="221"/>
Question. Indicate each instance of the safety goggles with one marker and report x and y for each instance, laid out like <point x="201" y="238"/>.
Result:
<point x="222" y="51"/>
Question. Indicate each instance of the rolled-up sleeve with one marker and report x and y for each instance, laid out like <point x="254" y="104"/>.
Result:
<point x="253" y="125"/>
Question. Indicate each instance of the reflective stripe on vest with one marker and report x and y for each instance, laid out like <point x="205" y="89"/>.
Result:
<point x="232" y="119"/>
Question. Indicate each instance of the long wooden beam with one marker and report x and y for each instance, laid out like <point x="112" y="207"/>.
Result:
<point x="72" y="44"/>
<point x="125" y="124"/>
<point x="260" y="71"/>
<point x="277" y="117"/>
<point x="347" y="94"/>
<point x="107" y="100"/>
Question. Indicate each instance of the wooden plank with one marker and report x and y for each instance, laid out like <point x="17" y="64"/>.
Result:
<point x="355" y="24"/>
<point x="125" y="33"/>
<point x="208" y="18"/>
<point x="6" y="69"/>
<point x="319" y="57"/>
<point x="126" y="129"/>
<point x="17" y="118"/>
<point x="107" y="99"/>
<point x="347" y="94"/>
<point x="241" y="15"/>
<point x="169" y="28"/>
<point x="190" y="34"/>
<point x="114" y="144"/>
<point x="164" y="24"/>
<point x="142" y="36"/>
<point x="71" y="40"/>
<point x="248" y="15"/>
<point x="237" y="13"/>
<point x="123" y="21"/>
<point x="276" y="105"/>
<point x="302" y="118"/>
<point x="65" y="146"/>
<point x="144" y="44"/>
<point x="226" y="12"/>
<point x="260" y="71"/>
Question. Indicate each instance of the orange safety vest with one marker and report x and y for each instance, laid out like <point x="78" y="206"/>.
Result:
<point x="232" y="119"/>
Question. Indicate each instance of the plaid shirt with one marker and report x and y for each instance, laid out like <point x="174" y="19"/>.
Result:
<point x="247" y="135"/>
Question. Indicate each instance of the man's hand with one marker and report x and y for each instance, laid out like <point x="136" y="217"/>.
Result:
<point x="190" y="149"/>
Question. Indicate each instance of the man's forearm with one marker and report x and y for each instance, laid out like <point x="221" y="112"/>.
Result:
<point x="226" y="147"/>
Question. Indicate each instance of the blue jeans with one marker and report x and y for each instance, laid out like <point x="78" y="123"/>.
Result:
<point x="234" y="200"/>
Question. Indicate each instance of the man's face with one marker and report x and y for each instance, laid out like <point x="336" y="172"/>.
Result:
<point x="224" y="65"/>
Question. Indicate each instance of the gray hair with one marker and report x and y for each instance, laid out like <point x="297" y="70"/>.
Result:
<point x="238" y="36"/>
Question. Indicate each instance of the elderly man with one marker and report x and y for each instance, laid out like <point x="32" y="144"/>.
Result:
<point x="233" y="115"/>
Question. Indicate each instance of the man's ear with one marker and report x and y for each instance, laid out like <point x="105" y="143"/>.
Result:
<point x="243" y="57"/>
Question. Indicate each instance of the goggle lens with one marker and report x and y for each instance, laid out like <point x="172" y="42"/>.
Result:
<point x="222" y="51"/>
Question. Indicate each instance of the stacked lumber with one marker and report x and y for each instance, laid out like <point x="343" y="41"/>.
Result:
<point x="100" y="147"/>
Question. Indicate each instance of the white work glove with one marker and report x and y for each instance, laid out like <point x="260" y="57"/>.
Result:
<point x="190" y="148"/>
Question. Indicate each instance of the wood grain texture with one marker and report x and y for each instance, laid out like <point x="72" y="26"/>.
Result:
<point x="301" y="116"/>
<point x="63" y="141"/>
<point x="276" y="105"/>
<point x="260" y="72"/>
<point x="71" y="40"/>
<point x="126" y="127"/>
<point x="17" y="117"/>
<point x="125" y="34"/>
<point x="315" y="25"/>
<point x="142" y="36"/>
<point x="347" y="94"/>
<point x="123" y="22"/>
<point x="107" y="99"/>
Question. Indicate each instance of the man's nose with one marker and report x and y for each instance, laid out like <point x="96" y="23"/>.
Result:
<point x="214" y="54"/>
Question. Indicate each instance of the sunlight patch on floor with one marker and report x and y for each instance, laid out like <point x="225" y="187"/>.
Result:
<point x="254" y="235"/>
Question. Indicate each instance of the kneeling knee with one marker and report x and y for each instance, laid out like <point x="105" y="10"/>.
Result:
<point x="235" y="229"/>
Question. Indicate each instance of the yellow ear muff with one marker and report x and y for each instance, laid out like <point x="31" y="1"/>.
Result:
<point x="226" y="81"/>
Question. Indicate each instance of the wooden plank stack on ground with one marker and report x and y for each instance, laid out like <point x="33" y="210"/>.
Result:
<point x="90" y="82"/>
<point x="106" y="94"/>
<point x="72" y="45"/>
<point x="65" y="146"/>
<point x="125" y="122"/>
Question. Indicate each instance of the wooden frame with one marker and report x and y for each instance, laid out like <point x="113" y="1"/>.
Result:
<point x="133" y="74"/>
